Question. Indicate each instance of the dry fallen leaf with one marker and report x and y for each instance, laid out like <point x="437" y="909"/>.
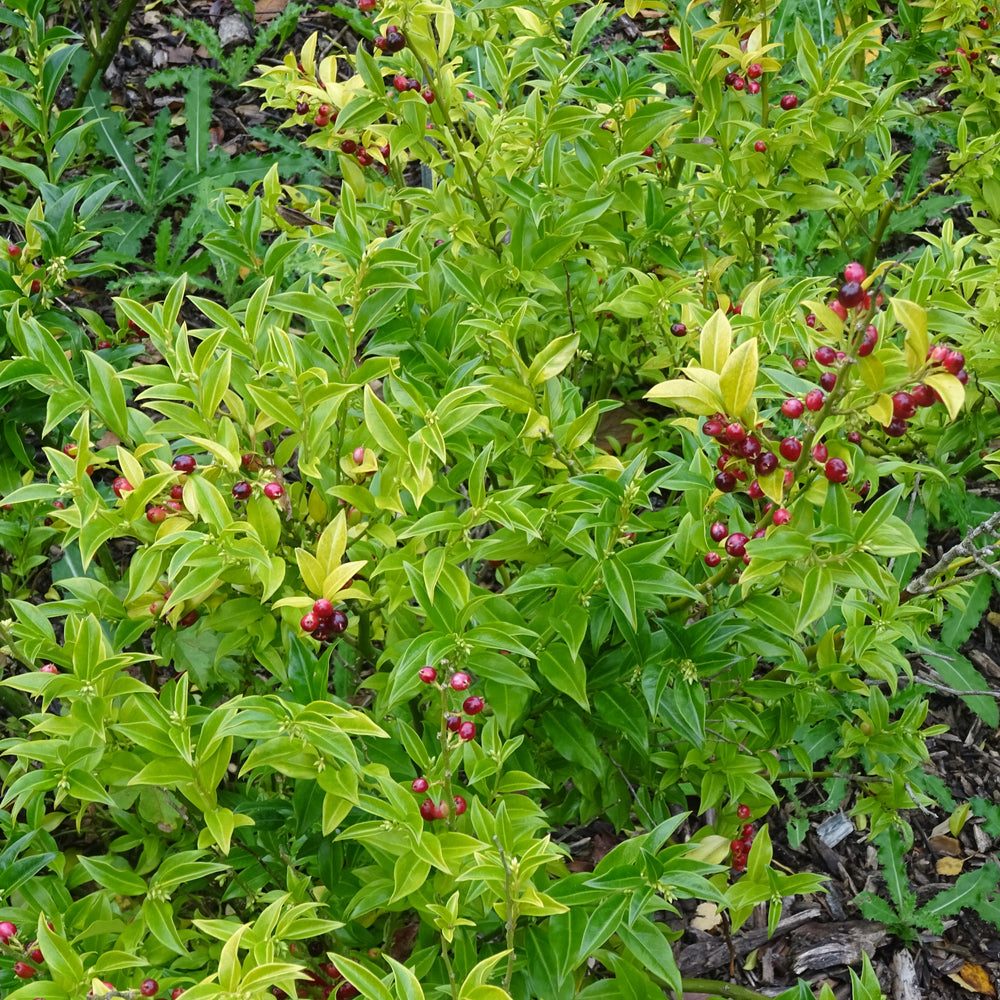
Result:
<point x="265" y="10"/>
<point x="708" y="916"/>
<point x="974" y="979"/>
<point x="946" y="845"/>
<point x="949" y="866"/>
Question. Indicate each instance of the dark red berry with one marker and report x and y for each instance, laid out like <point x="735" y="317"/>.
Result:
<point x="452" y="722"/>
<point x="460" y="805"/>
<point x="754" y="491"/>
<point x="460" y="680"/>
<point x="302" y="108"/>
<point x="380" y="42"/>
<point x="242" y="490"/>
<point x="121" y="485"/>
<point x="713" y="428"/>
<point x="338" y="622"/>
<point x="427" y="809"/>
<point x="963" y="376"/>
<point x="760" y="146"/>
<point x="836" y="470"/>
<point x="467" y="731"/>
<point x="851" y="294"/>
<point x="428" y="95"/>
<point x="854" y="437"/>
<point x="820" y="453"/>
<point x="725" y="482"/>
<point x="790" y="449"/>
<point x="24" y="971"/>
<point x="273" y="490"/>
<point x="7" y="931"/>
<point x="903" y="405"/>
<point x="814" y="400"/>
<point x="712" y="559"/>
<point x="868" y="343"/>
<point x="781" y="516"/>
<point x="766" y="463"/>
<point x="855" y="272"/>
<point x="349" y="147"/>
<point x="717" y="531"/>
<point x="825" y="356"/>
<point x="473" y="705"/>
<point x="156" y="515"/>
<point x="189" y="619"/>
<point x="176" y="992"/>
<point x="827" y="381"/>
<point x="735" y="433"/>
<point x="954" y="362"/>
<point x="743" y="812"/>
<point x="736" y="544"/>
<point x="427" y="674"/>
<point x="923" y="395"/>
<point x="896" y="427"/>
<point x="792" y="408"/>
<point x="788" y="102"/>
<point x="185" y="463"/>
<point x="322" y="608"/>
<point x="419" y="785"/>
<point x="149" y="987"/>
<point x="678" y="329"/>
<point x="394" y="40"/>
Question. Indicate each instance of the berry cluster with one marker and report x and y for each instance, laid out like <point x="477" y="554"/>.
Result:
<point x="324" y="621"/>
<point x="741" y="845"/>
<point x="324" y="982"/>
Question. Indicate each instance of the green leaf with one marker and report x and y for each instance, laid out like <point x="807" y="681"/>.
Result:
<point x="648" y="942"/>
<point x="383" y="426"/>
<point x="361" y="978"/>
<point x="107" y="395"/>
<point x="817" y="596"/>
<point x="553" y="358"/>
<point x="621" y="589"/>
<point x="565" y="672"/>
<point x="738" y="378"/>
<point x="716" y="342"/>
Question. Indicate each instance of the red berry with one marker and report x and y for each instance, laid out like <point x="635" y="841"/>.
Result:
<point x="903" y="405"/>
<point x="712" y="559"/>
<point x="273" y="490"/>
<point x="347" y="992"/>
<point x="838" y="309"/>
<point x="338" y="622"/>
<point x="781" y="516"/>
<point x="176" y="992"/>
<point x="717" y="531"/>
<point x="753" y="87"/>
<point x="725" y="482"/>
<point x="401" y="83"/>
<point x="739" y="83"/>
<point x="788" y="102"/>
<point x="855" y="272"/>
<point x="427" y="809"/>
<point x="427" y="674"/>
<point x="814" y="400"/>
<point x="737" y="847"/>
<point x="868" y="342"/>
<point x="308" y="622"/>
<point x="825" y="356"/>
<point x="460" y="805"/>
<point x="467" y="731"/>
<point x="322" y="608"/>
<point x="896" y="427"/>
<point x="120" y="485"/>
<point x="473" y="705"/>
<point x="760" y="146"/>
<point x="48" y="668"/>
<point x="743" y="812"/>
<point x="754" y="491"/>
<point x="366" y="5"/>
<point x="678" y="329"/>
<point x="149" y="987"/>
<point x="736" y="544"/>
<point x="792" y="408"/>
<point x="800" y="364"/>
<point x="189" y="619"/>
<point x="820" y="453"/>
<point x="963" y="376"/>
<point x="748" y="831"/>
<point x="36" y="287"/>
<point x="827" y="381"/>
<point x="460" y="680"/>
<point x="419" y="785"/>
<point x="24" y="971"/>
<point x="452" y="722"/>
<point x="713" y="428"/>
<point x="7" y="929"/>
<point x="923" y="395"/>
<point x="156" y="515"/>
<point x="349" y="147"/>
<point x="749" y="448"/>
<point x="177" y="492"/>
<point x="13" y="249"/>
<point x="854" y="437"/>
<point x="380" y="42"/>
<point x="836" y="470"/>
<point x="954" y="362"/>
<point x="851" y="294"/>
<point x="735" y="432"/>
<point x="242" y="490"/>
<point x="428" y="95"/>
<point x="754" y="71"/>
<point x="185" y="463"/>
<point x="790" y="448"/>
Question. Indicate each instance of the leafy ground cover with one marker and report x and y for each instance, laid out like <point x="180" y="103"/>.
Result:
<point x="498" y="500"/>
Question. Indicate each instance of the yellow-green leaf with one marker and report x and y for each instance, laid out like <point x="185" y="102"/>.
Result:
<point x="773" y="485"/>
<point x="553" y="358"/>
<point x="826" y="316"/>
<point x="913" y="319"/>
<point x="340" y="577"/>
<point x="686" y="395"/>
<point x="872" y="372"/>
<point x="739" y="377"/>
<point x="332" y="543"/>
<point x="716" y="341"/>
<point x="951" y="391"/>
<point x="311" y="570"/>
<point x="881" y="410"/>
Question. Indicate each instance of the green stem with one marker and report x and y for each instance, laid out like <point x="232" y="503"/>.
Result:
<point x="511" y="922"/>
<point x="452" y="981"/>
<point x="112" y="39"/>
<point x="715" y="988"/>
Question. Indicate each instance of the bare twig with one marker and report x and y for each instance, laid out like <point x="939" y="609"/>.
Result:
<point x="965" y="549"/>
